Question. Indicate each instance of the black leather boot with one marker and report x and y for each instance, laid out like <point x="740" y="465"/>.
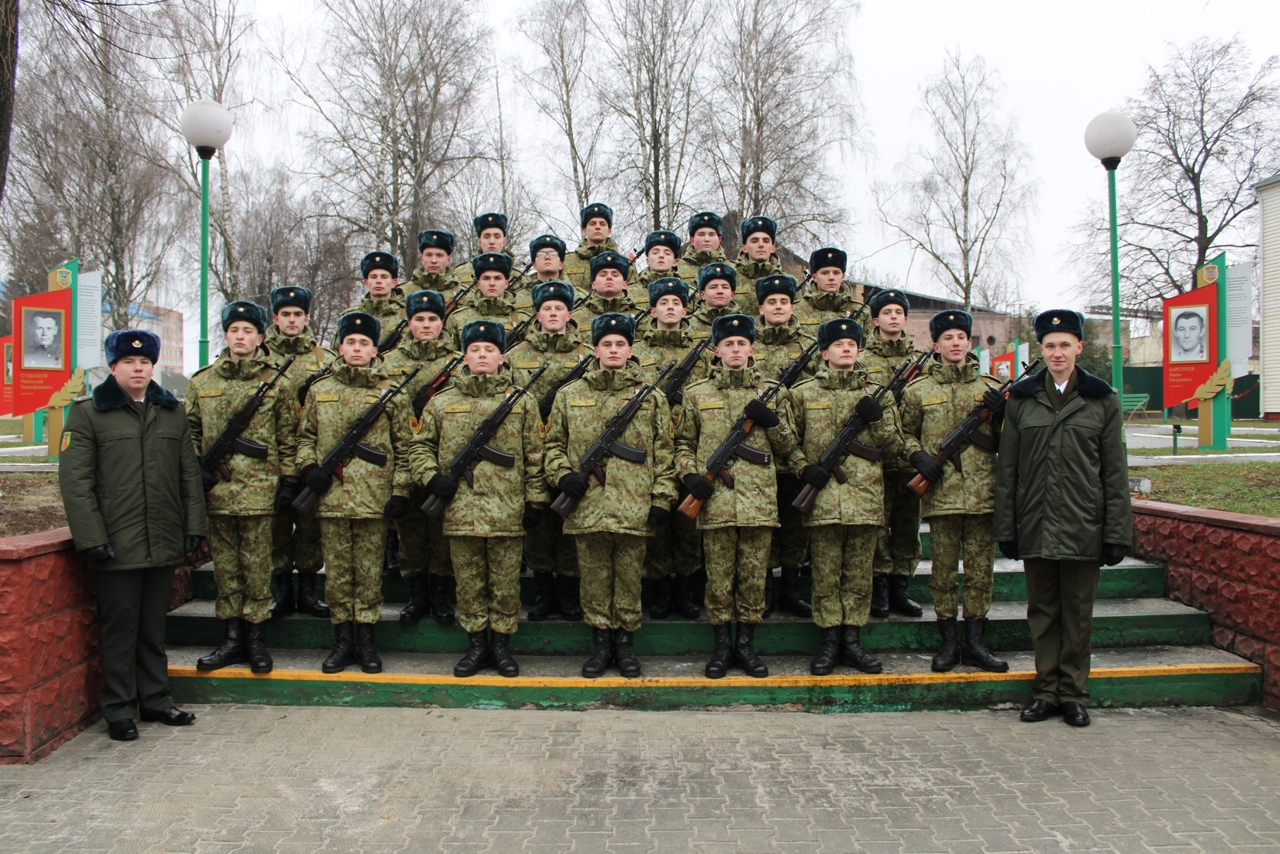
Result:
<point x="682" y="598"/>
<point x="852" y="653"/>
<point x="718" y="666"/>
<point x="344" y="649"/>
<point x="366" y="653"/>
<point x="309" y="601"/>
<point x="975" y="649"/>
<point x="788" y="599"/>
<point x="661" y="607"/>
<point x="879" y="596"/>
<point x="255" y="644"/>
<point x="419" y="605"/>
<point x="744" y="652"/>
<point x="770" y="594"/>
<point x="899" y="601"/>
<point x="502" y="660"/>
<point x="567" y="598"/>
<point x="824" y="663"/>
<point x="544" y="600"/>
<point x="438" y="591"/>
<point x="597" y="664"/>
<point x="232" y="650"/>
<point x="282" y="601"/>
<point x="477" y="657"/>
<point x="949" y="653"/>
<point x="391" y="555"/>
<point x="624" y="653"/>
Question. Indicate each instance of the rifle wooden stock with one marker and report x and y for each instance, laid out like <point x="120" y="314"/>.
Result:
<point x="691" y="506"/>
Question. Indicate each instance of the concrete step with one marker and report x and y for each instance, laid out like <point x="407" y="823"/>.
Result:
<point x="1148" y="675"/>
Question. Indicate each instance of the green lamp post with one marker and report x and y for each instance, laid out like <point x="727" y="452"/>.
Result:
<point x="206" y="125"/>
<point x="1109" y="137"/>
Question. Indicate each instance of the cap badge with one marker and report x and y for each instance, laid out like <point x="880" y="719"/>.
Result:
<point x="137" y="343"/>
<point x="1056" y="321"/>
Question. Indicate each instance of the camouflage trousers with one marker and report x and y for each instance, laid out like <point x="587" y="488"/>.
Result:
<point x="949" y="536"/>
<point x="791" y="541"/>
<point x="422" y="544"/>
<point x="675" y="548"/>
<point x="487" y="574"/>
<point x="898" y="547"/>
<point x="842" y="560"/>
<point x="295" y="543"/>
<point x="611" y="567"/>
<point x="735" y="558"/>
<point x="353" y="551"/>
<point x="547" y="549"/>
<point x="241" y="547"/>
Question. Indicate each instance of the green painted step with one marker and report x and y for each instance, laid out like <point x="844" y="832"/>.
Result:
<point x="1142" y="676"/>
<point x="1117" y="623"/>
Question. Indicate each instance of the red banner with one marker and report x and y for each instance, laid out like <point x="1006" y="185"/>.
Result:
<point x="6" y="375"/>
<point x="42" y="348"/>
<point x="1190" y="342"/>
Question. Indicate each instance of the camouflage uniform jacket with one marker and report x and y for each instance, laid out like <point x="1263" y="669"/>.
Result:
<point x="778" y="346"/>
<point x="932" y="406"/>
<point x="331" y="407"/>
<point x="655" y="347"/>
<point x="815" y="307"/>
<point x="494" y="504"/>
<point x="693" y="260"/>
<point x="700" y="321"/>
<point x="581" y="412"/>
<point x="710" y="409"/>
<point x="577" y="264"/>
<point x="498" y="309"/>
<point x="389" y="311"/>
<point x="638" y="284"/>
<point x="880" y="358"/>
<point x="595" y="305"/>
<point x="432" y="355"/>
<point x="215" y="394"/>
<point x="559" y="351"/>
<point x="748" y="272"/>
<point x="446" y="283"/>
<point x="311" y="356"/>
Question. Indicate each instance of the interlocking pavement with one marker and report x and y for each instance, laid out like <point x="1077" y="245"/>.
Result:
<point x="290" y="779"/>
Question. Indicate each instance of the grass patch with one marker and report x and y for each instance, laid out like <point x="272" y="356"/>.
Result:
<point x="1252" y="488"/>
<point x="1193" y="451"/>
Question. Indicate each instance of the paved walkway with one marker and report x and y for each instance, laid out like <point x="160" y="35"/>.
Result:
<point x="307" y="779"/>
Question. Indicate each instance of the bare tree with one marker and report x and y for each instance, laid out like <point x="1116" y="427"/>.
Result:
<point x="1208" y="130"/>
<point x="964" y="201"/>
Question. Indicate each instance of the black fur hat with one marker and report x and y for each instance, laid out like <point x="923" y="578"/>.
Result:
<point x="706" y="219"/>
<point x="883" y="298"/>
<point x="548" y="241"/>
<point x="379" y="261"/>
<point x="131" y="342"/>
<point x="730" y="325"/>
<point x="837" y="328"/>
<point x="613" y="323"/>
<point x="718" y="270"/>
<point x="419" y="301"/>
<point x="828" y="256"/>
<point x="434" y="238"/>
<point x="244" y="310"/>
<point x="610" y="260"/>
<point x="669" y="239"/>
<point x="560" y="291"/>
<point x="491" y="262"/>
<point x="778" y="283"/>
<point x="668" y="285"/>
<point x="359" y="323"/>
<point x="484" y="330"/>
<point x="759" y="223"/>
<point x="489" y="220"/>
<point x="1059" y="320"/>
<point x="595" y="209"/>
<point x="290" y="296"/>
<point x="952" y="318"/>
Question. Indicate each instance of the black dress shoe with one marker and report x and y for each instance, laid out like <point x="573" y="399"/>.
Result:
<point x="1075" y="714"/>
<point x="1039" y="710"/>
<point x="125" y="730"/>
<point x="172" y="716"/>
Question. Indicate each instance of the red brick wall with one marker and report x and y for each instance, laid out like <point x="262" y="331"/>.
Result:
<point x="1227" y="564"/>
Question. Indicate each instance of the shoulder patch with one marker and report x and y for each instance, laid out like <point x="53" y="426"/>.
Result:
<point x="817" y="404"/>
<point x="328" y="398"/>
<point x="582" y="401"/>
<point x="710" y="404"/>
<point x="66" y="440"/>
<point x="209" y="392"/>
<point x="528" y="365"/>
<point x="929" y="401"/>
<point x="457" y="407"/>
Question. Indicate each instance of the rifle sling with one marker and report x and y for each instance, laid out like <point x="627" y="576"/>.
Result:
<point x="983" y="442"/>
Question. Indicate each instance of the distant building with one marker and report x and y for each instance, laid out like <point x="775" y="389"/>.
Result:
<point x="991" y="328"/>
<point x="165" y="322"/>
<point x="1269" y="335"/>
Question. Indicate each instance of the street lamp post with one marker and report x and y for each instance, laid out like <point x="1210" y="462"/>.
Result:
<point x="1109" y="137"/>
<point x="206" y="125"/>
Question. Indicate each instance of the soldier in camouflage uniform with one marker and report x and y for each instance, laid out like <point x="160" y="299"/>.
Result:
<point x="617" y="512"/>
<point x="597" y="237"/>
<point x="608" y="290"/>
<point x="758" y="257"/>
<point x="661" y="251"/>
<point x="828" y="295"/>
<point x="385" y="298"/>
<point x="717" y="287"/>
<point x="736" y="521"/>
<point x="491" y="300"/>
<point x="674" y="554"/>
<point x="898" y="550"/>
<point x="846" y="517"/>
<point x="959" y="505"/>
<point x="491" y="236"/>
<point x="435" y="253"/>
<point x="295" y="537"/>
<point x="547" y="254"/>
<point x="706" y="230"/>
<point x="240" y="508"/>
<point x="354" y="510"/>
<point x="553" y="342"/>
<point x="424" y="555"/>
<point x="485" y="520"/>
<point x="779" y="342"/>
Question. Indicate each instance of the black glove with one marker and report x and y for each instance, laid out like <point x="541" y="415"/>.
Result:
<point x="1009" y="549"/>
<point x="994" y="401"/>
<point x="317" y="479"/>
<point x="761" y="414"/>
<point x="442" y="486"/>
<point x="869" y="410"/>
<point x="209" y="479"/>
<point x="1112" y="554"/>
<point x="99" y="554"/>
<point x="658" y="517"/>
<point x="930" y="469"/>
<point x="574" y="485"/>
<point x="395" y="507"/>
<point x="192" y="545"/>
<point x="815" y="475"/>
<point x="698" y="486"/>
<point x="532" y="515"/>
<point x="285" y="493"/>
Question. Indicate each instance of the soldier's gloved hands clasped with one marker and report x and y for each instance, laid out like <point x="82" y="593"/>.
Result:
<point x="443" y="486"/>
<point x="1009" y="549"/>
<point x="698" y="486"/>
<point x="192" y="545"/>
<point x="815" y="475"/>
<point x="994" y="401"/>
<point x="658" y="517"/>
<point x="286" y="492"/>
<point x="532" y="515"/>
<point x="99" y="554"/>
<point x="396" y="507"/>
<point x="1112" y="554"/>
<point x="574" y="485"/>
<point x="869" y="410"/>
<point x="317" y="479"/>
<point x="761" y="414"/>
<point x="930" y="469"/>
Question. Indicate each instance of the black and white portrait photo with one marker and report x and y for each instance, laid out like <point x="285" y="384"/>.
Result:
<point x="42" y="339"/>
<point x="1188" y="333"/>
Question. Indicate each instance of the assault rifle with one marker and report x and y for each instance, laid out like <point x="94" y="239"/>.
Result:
<point x="966" y="434"/>
<point x="846" y="441"/>
<point x="674" y="389"/>
<point x="352" y="444"/>
<point x="313" y="379"/>
<point x="609" y="443"/>
<point x="452" y="303"/>
<point x="437" y="382"/>
<point x="478" y="447"/>
<point x="578" y="371"/>
<point x="232" y="440"/>
<point x="517" y="333"/>
<point x="392" y="339"/>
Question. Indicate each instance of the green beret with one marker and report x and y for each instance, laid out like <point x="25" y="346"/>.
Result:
<point x="883" y="298"/>
<point x="484" y="330"/>
<point x="290" y="296"/>
<point x="718" y="270"/>
<point x="669" y="239"/>
<point x="610" y="260"/>
<point x="952" y="318"/>
<point x="841" y="327"/>
<point x="666" y="286"/>
<point x="359" y="323"/>
<point x="731" y="325"/>
<point x="595" y="209"/>
<point x="548" y="241"/>
<point x="489" y="220"/>
<point x="132" y="342"/>
<point x="435" y="239"/>
<point x="828" y="256"/>
<point x="778" y="283"/>
<point x="490" y="262"/>
<point x="558" y="291"/>
<point x="379" y="261"/>
<point x="759" y="223"/>
<point x="706" y="219"/>
<point x="244" y="310"/>
<point x="1059" y="320"/>
<point x="420" y="301"/>
<point x="613" y="323"/>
